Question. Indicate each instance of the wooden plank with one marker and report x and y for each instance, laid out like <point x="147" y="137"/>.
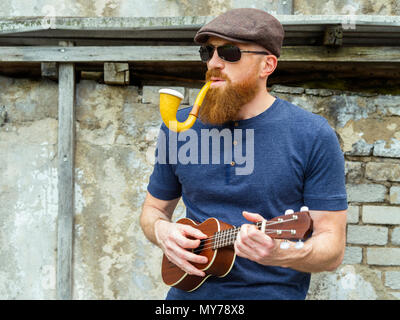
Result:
<point x="188" y="54"/>
<point x="99" y="54"/>
<point x="116" y="73"/>
<point x="10" y="25"/>
<point x="49" y="70"/>
<point x="66" y="155"/>
<point x="166" y="33"/>
<point x="99" y="42"/>
<point x="340" y="54"/>
<point x="333" y="36"/>
<point x="28" y="24"/>
<point x="304" y="33"/>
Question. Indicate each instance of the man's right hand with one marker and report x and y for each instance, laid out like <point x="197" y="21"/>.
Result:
<point x="174" y="239"/>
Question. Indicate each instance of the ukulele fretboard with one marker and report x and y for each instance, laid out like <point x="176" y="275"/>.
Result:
<point x="227" y="237"/>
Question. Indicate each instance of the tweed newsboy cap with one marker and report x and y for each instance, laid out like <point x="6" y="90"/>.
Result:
<point x="245" y="25"/>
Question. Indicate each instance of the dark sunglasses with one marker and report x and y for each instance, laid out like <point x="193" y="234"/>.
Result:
<point x="226" y="52"/>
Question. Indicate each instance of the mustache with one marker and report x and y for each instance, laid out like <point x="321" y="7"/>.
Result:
<point x="217" y="74"/>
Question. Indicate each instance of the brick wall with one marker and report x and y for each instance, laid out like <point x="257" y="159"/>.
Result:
<point x="368" y="127"/>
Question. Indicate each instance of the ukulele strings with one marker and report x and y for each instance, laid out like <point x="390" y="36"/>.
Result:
<point x="231" y="231"/>
<point x="258" y="224"/>
<point x="226" y="236"/>
<point x="199" y="249"/>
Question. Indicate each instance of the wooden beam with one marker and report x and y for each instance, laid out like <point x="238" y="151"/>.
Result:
<point x="189" y="54"/>
<point x="340" y="54"/>
<point x="116" y="73"/>
<point x="333" y="36"/>
<point x="66" y="171"/>
<point x="49" y="70"/>
<point x="99" y="54"/>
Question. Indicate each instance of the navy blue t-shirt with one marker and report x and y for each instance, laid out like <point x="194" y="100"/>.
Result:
<point x="283" y="158"/>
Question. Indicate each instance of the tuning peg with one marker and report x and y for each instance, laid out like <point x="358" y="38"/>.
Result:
<point x="289" y="211"/>
<point x="285" y="245"/>
<point x="299" y="244"/>
<point x="304" y="208"/>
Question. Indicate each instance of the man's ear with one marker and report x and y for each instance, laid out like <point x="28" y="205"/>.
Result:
<point x="268" y="65"/>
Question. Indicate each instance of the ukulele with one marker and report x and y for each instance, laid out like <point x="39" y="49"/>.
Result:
<point x="219" y="250"/>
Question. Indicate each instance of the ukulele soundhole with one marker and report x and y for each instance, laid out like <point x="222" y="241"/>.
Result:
<point x="200" y="248"/>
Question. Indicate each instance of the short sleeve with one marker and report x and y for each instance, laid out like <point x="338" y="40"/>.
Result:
<point x="325" y="186"/>
<point x="163" y="183"/>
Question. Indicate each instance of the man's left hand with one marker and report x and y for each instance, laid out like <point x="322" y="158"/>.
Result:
<point x="253" y="244"/>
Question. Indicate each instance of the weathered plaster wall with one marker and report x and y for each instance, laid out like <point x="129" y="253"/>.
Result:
<point x="347" y="7"/>
<point x="112" y="259"/>
<point x="116" y="134"/>
<point x="367" y="125"/>
<point x="28" y="190"/>
<point x="168" y="8"/>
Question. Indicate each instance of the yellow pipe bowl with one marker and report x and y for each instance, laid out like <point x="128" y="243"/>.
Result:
<point x="169" y="104"/>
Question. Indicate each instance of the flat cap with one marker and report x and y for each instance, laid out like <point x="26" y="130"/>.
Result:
<point x="245" y="25"/>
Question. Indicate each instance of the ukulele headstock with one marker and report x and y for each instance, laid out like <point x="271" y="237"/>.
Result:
<point x="290" y="226"/>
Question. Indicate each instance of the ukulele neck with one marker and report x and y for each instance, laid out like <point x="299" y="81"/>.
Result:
<point x="274" y="228"/>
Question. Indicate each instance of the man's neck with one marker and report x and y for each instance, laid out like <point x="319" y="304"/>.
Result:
<point x="261" y="102"/>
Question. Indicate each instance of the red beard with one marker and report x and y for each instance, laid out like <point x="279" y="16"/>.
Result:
<point x="223" y="104"/>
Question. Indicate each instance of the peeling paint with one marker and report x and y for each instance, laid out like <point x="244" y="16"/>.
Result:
<point x="170" y="8"/>
<point x="29" y="208"/>
<point x="349" y="137"/>
<point x="377" y="129"/>
<point x="346" y="7"/>
<point x="349" y="282"/>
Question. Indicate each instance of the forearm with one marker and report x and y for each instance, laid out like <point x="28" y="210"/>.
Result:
<point x="154" y="210"/>
<point x="148" y="219"/>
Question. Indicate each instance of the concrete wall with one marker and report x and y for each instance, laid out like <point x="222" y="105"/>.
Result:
<point x="168" y="8"/>
<point x="116" y="134"/>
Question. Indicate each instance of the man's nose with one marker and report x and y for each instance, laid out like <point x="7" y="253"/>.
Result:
<point x="215" y="62"/>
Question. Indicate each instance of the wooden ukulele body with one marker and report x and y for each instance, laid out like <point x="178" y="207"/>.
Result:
<point x="220" y="261"/>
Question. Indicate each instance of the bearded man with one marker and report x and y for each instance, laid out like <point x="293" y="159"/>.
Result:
<point x="297" y="162"/>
